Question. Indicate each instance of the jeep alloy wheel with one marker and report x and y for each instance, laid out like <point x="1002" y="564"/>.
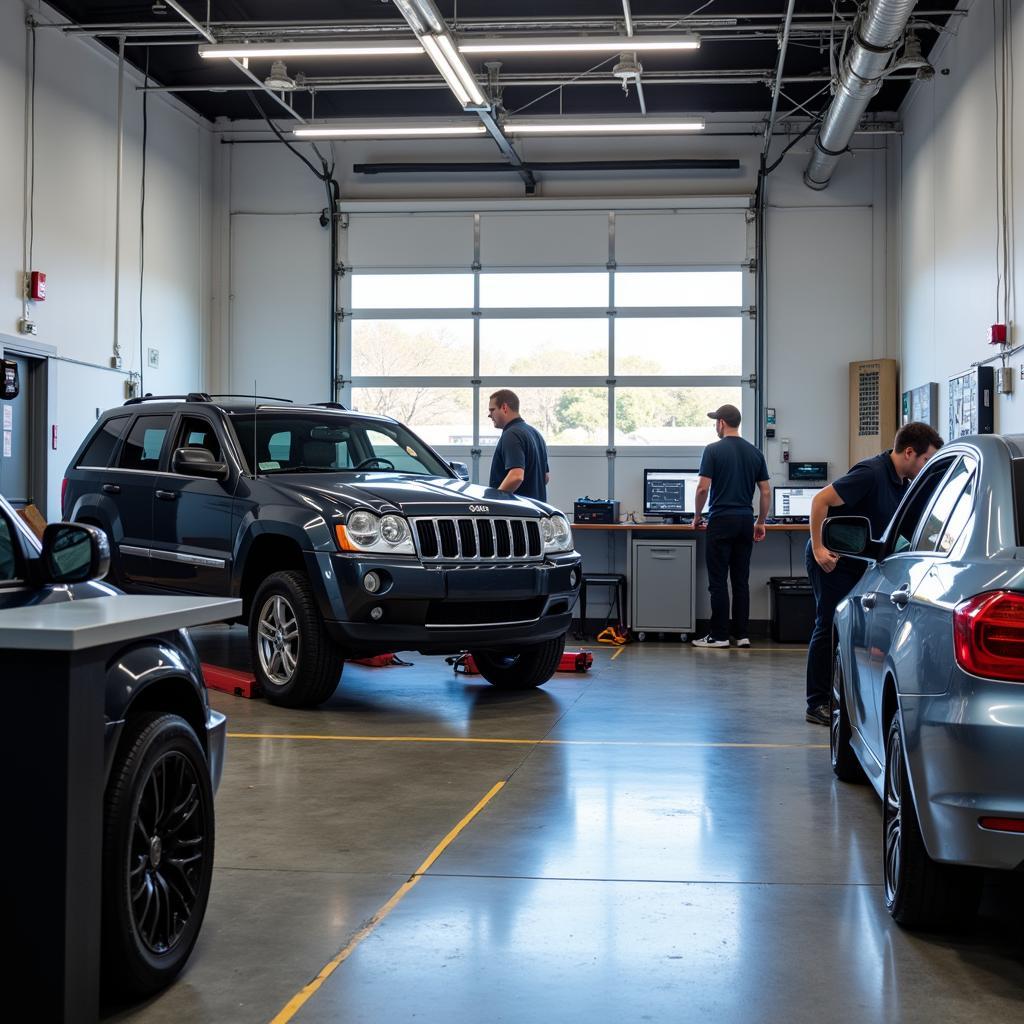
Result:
<point x="278" y="642"/>
<point x="296" y="662"/>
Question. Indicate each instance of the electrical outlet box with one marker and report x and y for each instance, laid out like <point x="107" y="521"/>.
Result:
<point x="153" y="358"/>
<point x="27" y="327"/>
<point x="131" y="388"/>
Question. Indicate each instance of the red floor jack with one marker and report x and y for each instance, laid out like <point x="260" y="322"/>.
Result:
<point x="572" y="661"/>
<point x="229" y="680"/>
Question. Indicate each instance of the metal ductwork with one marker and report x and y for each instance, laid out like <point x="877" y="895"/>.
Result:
<point x="877" y="33"/>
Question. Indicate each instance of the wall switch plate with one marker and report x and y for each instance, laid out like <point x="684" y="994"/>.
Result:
<point x="153" y="358"/>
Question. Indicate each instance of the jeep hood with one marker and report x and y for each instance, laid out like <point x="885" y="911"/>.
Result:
<point x="414" y="496"/>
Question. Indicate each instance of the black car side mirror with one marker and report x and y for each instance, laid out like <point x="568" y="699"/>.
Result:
<point x="850" y="536"/>
<point x="461" y="470"/>
<point x="198" y="462"/>
<point x="74" y="553"/>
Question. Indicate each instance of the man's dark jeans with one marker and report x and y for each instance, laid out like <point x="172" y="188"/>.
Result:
<point x="829" y="589"/>
<point x="730" y="540"/>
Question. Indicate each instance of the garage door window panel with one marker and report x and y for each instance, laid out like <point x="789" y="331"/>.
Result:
<point x="539" y="348"/>
<point x="678" y="288"/>
<point x="669" y="415"/>
<point x="412" y="291"/>
<point x="412" y="348"/>
<point x="546" y="290"/>
<point x="679" y="347"/>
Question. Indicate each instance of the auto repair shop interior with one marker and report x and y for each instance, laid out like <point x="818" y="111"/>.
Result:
<point x="265" y="266"/>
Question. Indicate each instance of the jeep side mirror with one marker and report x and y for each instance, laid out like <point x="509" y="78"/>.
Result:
<point x="198" y="462"/>
<point x="850" y="536"/>
<point x="74" y="553"/>
<point x="461" y="470"/>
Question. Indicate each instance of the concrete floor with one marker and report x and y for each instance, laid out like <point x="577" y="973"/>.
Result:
<point x="670" y="845"/>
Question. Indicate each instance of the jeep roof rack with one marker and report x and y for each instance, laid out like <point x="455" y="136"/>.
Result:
<point x="267" y="398"/>
<point x="192" y="396"/>
<point x="330" y="405"/>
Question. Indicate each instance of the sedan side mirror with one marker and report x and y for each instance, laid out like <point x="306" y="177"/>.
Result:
<point x="198" y="462"/>
<point x="74" y="553"/>
<point x="850" y="536"/>
<point x="461" y="470"/>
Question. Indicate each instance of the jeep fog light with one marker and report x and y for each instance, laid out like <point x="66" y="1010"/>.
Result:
<point x="371" y="581"/>
<point x="376" y="613"/>
<point x="573" y="578"/>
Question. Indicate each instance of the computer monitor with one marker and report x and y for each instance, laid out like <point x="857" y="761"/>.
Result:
<point x="670" y="492"/>
<point x="794" y="502"/>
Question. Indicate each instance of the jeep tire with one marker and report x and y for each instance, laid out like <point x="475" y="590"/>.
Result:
<point x="530" y="667"/>
<point x="295" y="662"/>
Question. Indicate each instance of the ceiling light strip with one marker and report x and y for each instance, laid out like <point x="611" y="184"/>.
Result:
<point x="580" y="44"/>
<point x="447" y="71"/>
<point x="639" y="126"/>
<point x="379" y="131"/>
<point x="323" y="48"/>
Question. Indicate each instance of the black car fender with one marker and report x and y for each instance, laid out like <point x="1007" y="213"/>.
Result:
<point x="101" y="510"/>
<point x="152" y="675"/>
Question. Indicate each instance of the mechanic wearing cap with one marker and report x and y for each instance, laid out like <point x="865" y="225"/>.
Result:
<point x="873" y="488"/>
<point x="730" y="470"/>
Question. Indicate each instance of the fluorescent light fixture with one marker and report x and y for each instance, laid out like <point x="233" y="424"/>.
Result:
<point x="447" y="71"/>
<point x="666" y="125"/>
<point x="319" y="48"/>
<point x="581" y="44"/>
<point x="399" y="129"/>
<point x="461" y="69"/>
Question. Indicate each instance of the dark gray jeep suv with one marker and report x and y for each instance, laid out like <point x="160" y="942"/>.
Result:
<point x="343" y="533"/>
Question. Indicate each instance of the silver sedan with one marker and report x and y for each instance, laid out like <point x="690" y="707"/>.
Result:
<point x="928" y="680"/>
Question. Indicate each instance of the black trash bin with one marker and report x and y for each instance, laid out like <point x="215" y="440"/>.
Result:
<point x="792" y="608"/>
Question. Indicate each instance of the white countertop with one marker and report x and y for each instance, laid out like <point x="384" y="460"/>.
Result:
<point x="79" y="625"/>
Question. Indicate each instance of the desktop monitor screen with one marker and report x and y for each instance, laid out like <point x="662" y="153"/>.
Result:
<point x="669" y="492"/>
<point x="794" y="501"/>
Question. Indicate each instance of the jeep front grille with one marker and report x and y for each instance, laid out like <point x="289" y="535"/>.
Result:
<point x="478" y="539"/>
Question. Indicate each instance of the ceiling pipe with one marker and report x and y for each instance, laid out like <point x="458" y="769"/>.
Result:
<point x="876" y="35"/>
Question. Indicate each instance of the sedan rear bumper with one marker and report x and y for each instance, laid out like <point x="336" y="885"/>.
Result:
<point x="965" y="753"/>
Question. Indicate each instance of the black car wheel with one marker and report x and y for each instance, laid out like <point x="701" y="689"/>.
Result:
<point x="919" y="892"/>
<point x="844" y="761"/>
<point x="294" y="659"/>
<point x="530" y="667"/>
<point x="157" y="853"/>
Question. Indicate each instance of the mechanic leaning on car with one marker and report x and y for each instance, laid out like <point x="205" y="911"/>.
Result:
<point x="873" y="488"/>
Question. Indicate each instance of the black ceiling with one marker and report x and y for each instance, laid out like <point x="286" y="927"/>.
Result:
<point x="755" y="53"/>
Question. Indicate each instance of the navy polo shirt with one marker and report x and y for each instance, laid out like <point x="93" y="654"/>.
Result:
<point x="872" y="488"/>
<point x="521" y="447"/>
<point x="735" y="467"/>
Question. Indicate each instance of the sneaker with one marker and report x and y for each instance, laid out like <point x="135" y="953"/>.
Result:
<point x="744" y="641"/>
<point x="819" y="715"/>
<point x="710" y="641"/>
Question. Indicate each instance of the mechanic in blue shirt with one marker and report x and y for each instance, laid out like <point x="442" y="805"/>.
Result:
<point x="873" y="488"/>
<point x="520" y="461"/>
<point x="729" y="472"/>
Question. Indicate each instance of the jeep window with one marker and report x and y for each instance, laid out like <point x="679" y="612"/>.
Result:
<point x="104" y="441"/>
<point x="317" y="443"/>
<point x="141" y="450"/>
<point x="195" y="432"/>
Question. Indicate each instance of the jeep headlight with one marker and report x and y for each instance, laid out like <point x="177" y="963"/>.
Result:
<point x="556" y="532"/>
<point x="365" y="531"/>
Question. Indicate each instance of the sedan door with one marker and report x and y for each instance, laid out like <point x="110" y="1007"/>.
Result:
<point x="192" y="517"/>
<point x="893" y="614"/>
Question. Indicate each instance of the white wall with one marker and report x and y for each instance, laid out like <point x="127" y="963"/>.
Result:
<point x="75" y="175"/>
<point x="943" y="178"/>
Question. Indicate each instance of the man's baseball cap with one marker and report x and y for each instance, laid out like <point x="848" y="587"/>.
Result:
<point x="729" y="413"/>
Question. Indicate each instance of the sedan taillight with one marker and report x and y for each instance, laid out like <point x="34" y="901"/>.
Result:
<point x="988" y="635"/>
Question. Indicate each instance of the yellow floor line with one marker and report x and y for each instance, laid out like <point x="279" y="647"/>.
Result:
<point x="299" y="1000"/>
<point x="516" y="742"/>
<point x="617" y="653"/>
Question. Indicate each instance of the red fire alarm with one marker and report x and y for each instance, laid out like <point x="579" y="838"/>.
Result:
<point x="997" y="334"/>
<point x="37" y="286"/>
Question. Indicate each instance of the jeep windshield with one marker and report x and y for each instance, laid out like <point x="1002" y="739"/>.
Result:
<point x="310" y="442"/>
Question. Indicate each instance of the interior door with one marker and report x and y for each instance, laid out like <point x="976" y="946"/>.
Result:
<point x="19" y="436"/>
<point x="896" y="578"/>
<point x="192" y="530"/>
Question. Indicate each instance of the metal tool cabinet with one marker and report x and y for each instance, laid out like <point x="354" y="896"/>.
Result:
<point x="664" y="581"/>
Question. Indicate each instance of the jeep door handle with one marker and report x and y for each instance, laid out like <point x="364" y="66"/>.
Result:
<point x="167" y="495"/>
<point x="111" y="489"/>
<point x="900" y="597"/>
<point x="867" y="601"/>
